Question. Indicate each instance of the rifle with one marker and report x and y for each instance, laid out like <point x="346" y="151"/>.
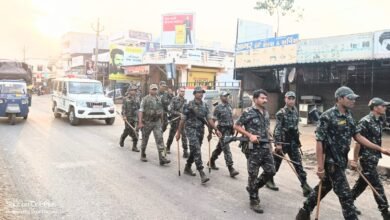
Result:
<point x="331" y="152"/>
<point x="292" y="135"/>
<point x="202" y="119"/>
<point x="228" y="139"/>
<point x="172" y="120"/>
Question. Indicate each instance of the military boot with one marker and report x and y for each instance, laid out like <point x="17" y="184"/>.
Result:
<point x="255" y="206"/>
<point x="135" y="148"/>
<point x="271" y="185"/>
<point x="303" y="214"/>
<point x="168" y="149"/>
<point x="358" y="212"/>
<point x="163" y="160"/>
<point x="188" y="170"/>
<point x="212" y="164"/>
<point x="168" y="146"/>
<point x="185" y="153"/>
<point x="122" y="140"/>
<point x="386" y="214"/>
<point x="306" y="189"/>
<point x="232" y="171"/>
<point x="203" y="177"/>
<point x="143" y="156"/>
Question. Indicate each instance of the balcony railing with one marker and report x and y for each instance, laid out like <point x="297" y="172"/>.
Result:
<point x="210" y="85"/>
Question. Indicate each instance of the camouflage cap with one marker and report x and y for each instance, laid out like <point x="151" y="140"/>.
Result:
<point x="345" y="92"/>
<point x="290" y="94"/>
<point x="224" y="93"/>
<point x="133" y="87"/>
<point x="153" y="86"/>
<point x="163" y="83"/>
<point x="376" y="102"/>
<point x="198" y="89"/>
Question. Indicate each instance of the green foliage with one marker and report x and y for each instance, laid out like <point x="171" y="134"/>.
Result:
<point x="280" y="8"/>
<point x="283" y="6"/>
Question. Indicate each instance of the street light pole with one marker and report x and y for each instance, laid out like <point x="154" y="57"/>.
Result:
<point x="98" y="29"/>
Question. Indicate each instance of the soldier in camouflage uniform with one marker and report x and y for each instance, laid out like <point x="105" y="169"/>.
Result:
<point x="165" y="98"/>
<point x="130" y="113"/>
<point x="371" y="127"/>
<point x="286" y="130"/>
<point x="196" y="115"/>
<point x="149" y="117"/>
<point x="333" y="134"/>
<point x="254" y="123"/>
<point x="223" y="114"/>
<point x="175" y="109"/>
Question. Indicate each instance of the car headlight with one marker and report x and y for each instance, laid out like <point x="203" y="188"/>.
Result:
<point x="110" y="103"/>
<point x="82" y="103"/>
<point x="24" y="101"/>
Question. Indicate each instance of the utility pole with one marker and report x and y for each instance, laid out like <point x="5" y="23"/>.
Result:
<point x="24" y="54"/>
<point x="97" y="29"/>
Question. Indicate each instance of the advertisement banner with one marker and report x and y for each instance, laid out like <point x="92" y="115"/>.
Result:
<point x="152" y="46"/>
<point x="170" y="69"/>
<point x="178" y="31"/>
<point x="194" y="55"/>
<point x="382" y="44"/>
<point x="267" y="52"/>
<point x="136" y="70"/>
<point x="123" y="56"/>
<point x="89" y="68"/>
<point x="77" y="61"/>
<point x="338" y="48"/>
<point x="139" y="35"/>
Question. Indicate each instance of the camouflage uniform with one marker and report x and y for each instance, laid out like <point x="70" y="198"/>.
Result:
<point x="371" y="128"/>
<point x="152" y="109"/>
<point x="286" y="130"/>
<point x="130" y="110"/>
<point x="223" y="114"/>
<point x="335" y="130"/>
<point x="260" y="155"/>
<point x="195" y="116"/>
<point x="165" y="100"/>
<point x="175" y="108"/>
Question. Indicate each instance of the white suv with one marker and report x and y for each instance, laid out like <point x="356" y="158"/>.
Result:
<point x="81" y="99"/>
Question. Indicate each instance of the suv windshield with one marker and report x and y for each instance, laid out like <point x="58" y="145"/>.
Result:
<point x="85" y="88"/>
<point x="12" y="88"/>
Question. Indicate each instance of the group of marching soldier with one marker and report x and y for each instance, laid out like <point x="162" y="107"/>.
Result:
<point x="334" y="131"/>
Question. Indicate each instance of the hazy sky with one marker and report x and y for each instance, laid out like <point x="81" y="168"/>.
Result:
<point x="39" y="24"/>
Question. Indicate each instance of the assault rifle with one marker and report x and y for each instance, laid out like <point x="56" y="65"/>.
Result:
<point x="228" y="139"/>
<point x="292" y="136"/>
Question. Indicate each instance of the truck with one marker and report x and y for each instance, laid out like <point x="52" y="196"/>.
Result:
<point x="15" y="99"/>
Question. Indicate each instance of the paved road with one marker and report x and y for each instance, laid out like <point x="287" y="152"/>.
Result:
<point x="52" y="170"/>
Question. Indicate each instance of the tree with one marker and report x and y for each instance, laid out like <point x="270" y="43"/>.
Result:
<point x="280" y="7"/>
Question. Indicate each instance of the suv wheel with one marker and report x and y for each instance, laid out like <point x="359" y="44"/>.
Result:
<point x="110" y="121"/>
<point x="72" y="117"/>
<point x="55" y="111"/>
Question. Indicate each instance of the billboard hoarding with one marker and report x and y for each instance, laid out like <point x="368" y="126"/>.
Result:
<point x="123" y="56"/>
<point x="178" y="30"/>
<point x="382" y="44"/>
